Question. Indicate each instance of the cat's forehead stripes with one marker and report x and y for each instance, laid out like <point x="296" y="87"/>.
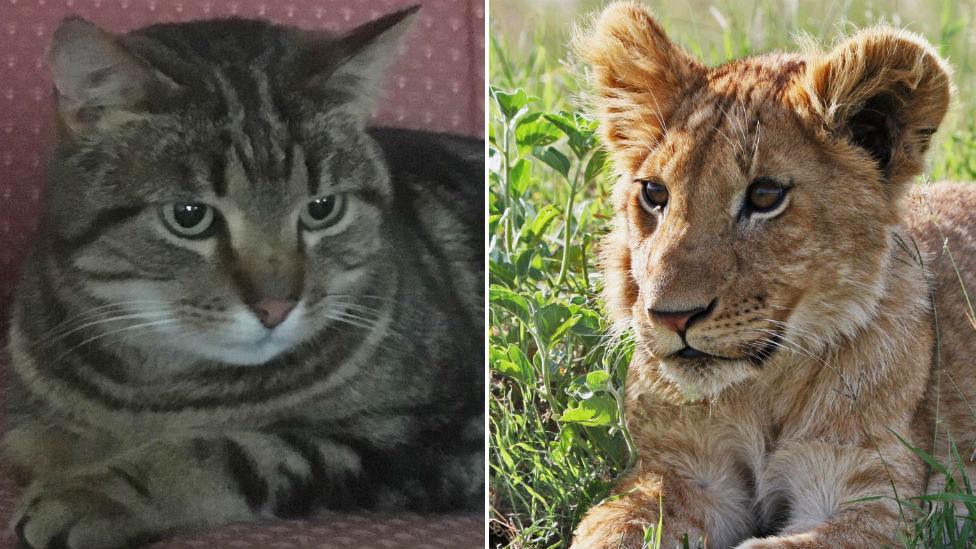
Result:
<point x="243" y="72"/>
<point x="256" y="196"/>
<point x="255" y="128"/>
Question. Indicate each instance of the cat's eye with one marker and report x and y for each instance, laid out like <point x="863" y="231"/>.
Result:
<point x="189" y="219"/>
<point x="653" y="195"/>
<point x="764" y="195"/>
<point x="323" y="212"/>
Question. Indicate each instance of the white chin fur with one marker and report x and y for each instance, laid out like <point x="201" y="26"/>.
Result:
<point x="709" y="382"/>
<point x="244" y="341"/>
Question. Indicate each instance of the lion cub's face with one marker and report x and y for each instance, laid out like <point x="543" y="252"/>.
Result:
<point x="755" y="200"/>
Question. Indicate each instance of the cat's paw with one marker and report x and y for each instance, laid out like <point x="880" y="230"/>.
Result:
<point x="80" y="513"/>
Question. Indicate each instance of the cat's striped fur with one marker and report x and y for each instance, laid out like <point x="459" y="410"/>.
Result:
<point x="146" y="397"/>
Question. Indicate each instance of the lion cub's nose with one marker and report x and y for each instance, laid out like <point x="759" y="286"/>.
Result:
<point x="678" y="321"/>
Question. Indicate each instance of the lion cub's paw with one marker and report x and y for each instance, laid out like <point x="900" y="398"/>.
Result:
<point x="621" y="540"/>
<point x="624" y="535"/>
<point x="794" y="542"/>
<point x="79" y="513"/>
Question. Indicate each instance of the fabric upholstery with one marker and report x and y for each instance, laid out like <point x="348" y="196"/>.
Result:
<point x="437" y="85"/>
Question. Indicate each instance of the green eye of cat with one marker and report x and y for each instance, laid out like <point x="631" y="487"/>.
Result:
<point x="323" y="212"/>
<point x="188" y="219"/>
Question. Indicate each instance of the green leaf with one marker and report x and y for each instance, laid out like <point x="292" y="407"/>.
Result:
<point x="511" y="302"/>
<point x="597" y="381"/>
<point x="579" y="131"/>
<point x="563" y="328"/>
<point x="534" y="131"/>
<point x="523" y="262"/>
<point x="506" y="458"/>
<point x="564" y="121"/>
<point x="612" y="444"/>
<point x="578" y="388"/>
<point x="965" y="498"/>
<point x="599" y="411"/>
<point x="934" y="463"/>
<point x="595" y="165"/>
<point x="542" y="220"/>
<point x="509" y="104"/>
<point x="581" y="142"/>
<point x="589" y="328"/>
<point x="554" y="159"/>
<point x="514" y="370"/>
<point x="551" y="321"/>
<point x="519" y="177"/>
<point x="518" y="357"/>
<point x="502" y="273"/>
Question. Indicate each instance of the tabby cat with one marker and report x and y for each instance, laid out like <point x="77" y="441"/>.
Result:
<point x="243" y="302"/>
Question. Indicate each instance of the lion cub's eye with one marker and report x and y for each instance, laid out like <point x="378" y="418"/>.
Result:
<point x="764" y="195"/>
<point x="654" y="196"/>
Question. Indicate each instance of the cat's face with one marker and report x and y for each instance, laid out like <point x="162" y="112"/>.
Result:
<point x="220" y="197"/>
<point x="235" y="264"/>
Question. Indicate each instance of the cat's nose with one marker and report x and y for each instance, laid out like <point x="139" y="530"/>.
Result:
<point x="272" y="312"/>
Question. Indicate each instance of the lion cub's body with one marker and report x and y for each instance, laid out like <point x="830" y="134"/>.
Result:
<point x="815" y="331"/>
<point x="943" y="222"/>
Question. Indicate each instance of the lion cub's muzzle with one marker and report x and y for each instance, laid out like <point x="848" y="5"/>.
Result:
<point x="705" y="334"/>
<point x="678" y="321"/>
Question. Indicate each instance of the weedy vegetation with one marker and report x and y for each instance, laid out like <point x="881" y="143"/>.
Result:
<point x="557" y="439"/>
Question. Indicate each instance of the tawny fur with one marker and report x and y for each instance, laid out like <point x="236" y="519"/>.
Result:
<point x="823" y="313"/>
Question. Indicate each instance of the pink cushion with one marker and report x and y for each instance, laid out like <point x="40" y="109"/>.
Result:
<point x="437" y="83"/>
<point x="345" y="532"/>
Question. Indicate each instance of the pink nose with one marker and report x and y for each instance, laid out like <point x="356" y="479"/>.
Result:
<point x="677" y="321"/>
<point x="272" y="312"/>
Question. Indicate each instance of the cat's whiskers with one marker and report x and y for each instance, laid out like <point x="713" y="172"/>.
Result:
<point x="135" y="316"/>
<point x="391" y="332"/>
<point x="151" y="325"/>
<point x="108" y="308"/>
<point x="353" y="320"/>
<point x="175" y="337"/>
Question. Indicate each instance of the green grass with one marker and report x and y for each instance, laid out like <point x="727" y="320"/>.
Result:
<point x="557" y="441"/>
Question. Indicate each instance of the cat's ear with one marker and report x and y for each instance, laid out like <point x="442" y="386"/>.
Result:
<point x="639" y="78"/>
<point x="96" y="77"/>
<point x="350" y="68"/>
<point x="887" y="91"/>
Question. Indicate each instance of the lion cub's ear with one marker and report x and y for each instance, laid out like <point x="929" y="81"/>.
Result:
<point x="639" y="76"/>
<point x="887" y="90"/>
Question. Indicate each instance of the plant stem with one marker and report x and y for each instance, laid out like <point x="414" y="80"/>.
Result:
<point x="618" y="397"/>
<point x="506" y="191"/>
<point x="543" y="352"/>
<point x="567" y="233"/>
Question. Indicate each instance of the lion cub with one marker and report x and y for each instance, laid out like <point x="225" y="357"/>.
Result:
<point x="764" y="252"/>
